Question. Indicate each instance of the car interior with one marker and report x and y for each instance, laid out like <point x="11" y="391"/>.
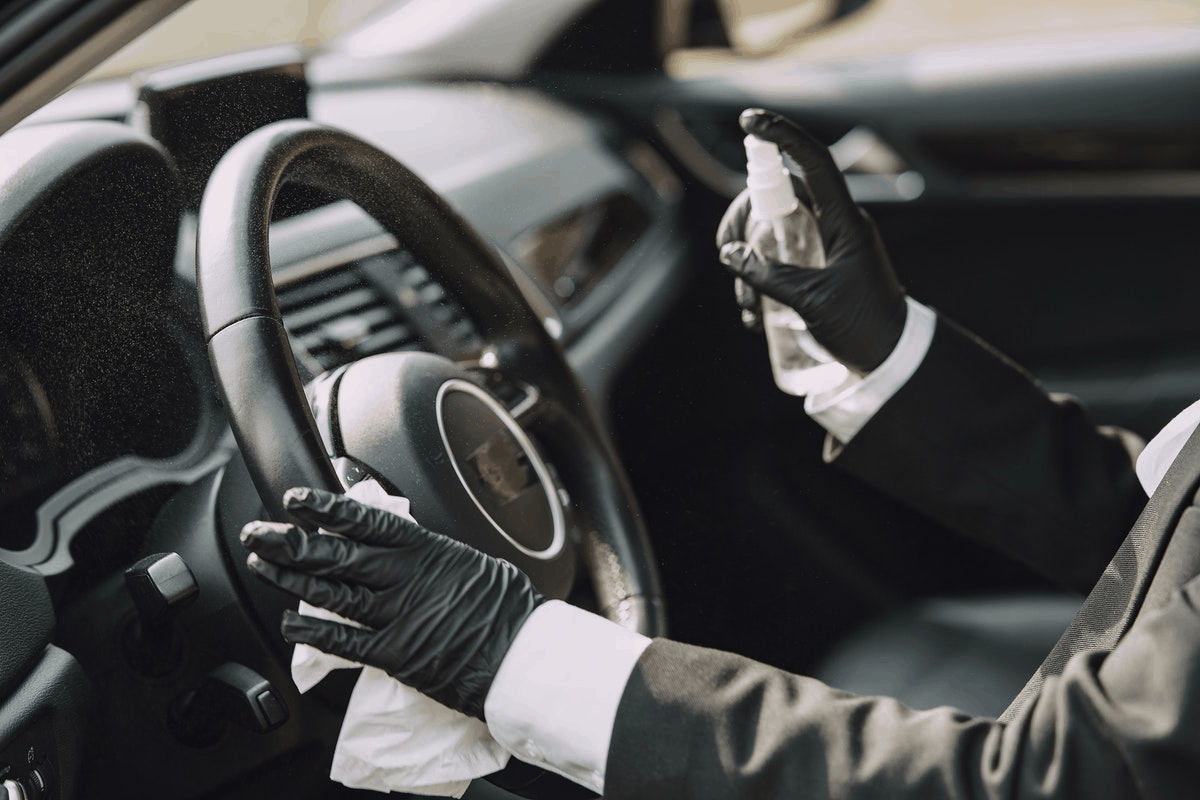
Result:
<point x="231" y="273"/>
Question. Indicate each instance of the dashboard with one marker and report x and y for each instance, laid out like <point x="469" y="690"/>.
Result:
<point x="585" y="218"/>
<point x="112" y="419"/>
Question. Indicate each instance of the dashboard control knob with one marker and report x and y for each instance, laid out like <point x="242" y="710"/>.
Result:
<point x="230" y="693"/>
<point x="14" y="791"/>
<point x="37" y="782"/>
<point x="160" y="585"/>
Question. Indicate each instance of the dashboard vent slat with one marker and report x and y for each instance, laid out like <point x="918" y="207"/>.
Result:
<point x="339" y="316"/>
<point x="381" y="304"/>
<point x="338" y="306"/>
<point x="299" y="294"/>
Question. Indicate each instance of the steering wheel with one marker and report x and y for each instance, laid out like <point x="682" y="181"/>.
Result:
<point x="539" y="485"/>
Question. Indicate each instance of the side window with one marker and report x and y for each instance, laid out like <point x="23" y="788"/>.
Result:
<point x="703" y="36"/>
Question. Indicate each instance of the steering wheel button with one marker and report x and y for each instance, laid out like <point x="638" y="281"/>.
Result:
<point x="37" y="783"/>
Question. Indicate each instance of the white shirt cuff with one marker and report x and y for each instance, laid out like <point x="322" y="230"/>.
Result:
<point x="844" y="410"/>
<point x="554" y="699"/>
<point x="1163" y="449"/>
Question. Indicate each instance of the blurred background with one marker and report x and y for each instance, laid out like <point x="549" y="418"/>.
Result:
<point x="697" y="36"/>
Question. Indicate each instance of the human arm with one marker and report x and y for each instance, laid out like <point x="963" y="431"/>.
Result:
<point x="432" y="612"/>
<point x="442" y="617"/>
<point x="972" y="441"/>
<point x="695" y="723"/>
<point x="954" y="429"/>
<point x="670" y="720"/>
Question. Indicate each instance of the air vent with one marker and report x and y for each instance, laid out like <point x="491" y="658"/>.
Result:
<point x="340" y="316"/>
<point x="442" y="322"/>
<point x="381" y="304"/>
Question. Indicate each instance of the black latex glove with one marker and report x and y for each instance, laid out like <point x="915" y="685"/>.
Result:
<point x="854" y="306"/>
<point x="440" y="615"/>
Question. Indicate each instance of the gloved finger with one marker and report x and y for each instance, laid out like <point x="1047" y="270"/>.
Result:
<point x="349" y="600"/>
<point x="735" y="256"/>
<point x="786" y="283"/>
<point x="324" y="556"/>
<point x="732" y="226"/>
<point x="750" y="304"/>
<point x="326" y="635"/>
<point x="258" y="526"/>
<point x="338" y="513"/>
<point x="271" y="540"/>
<point x="831" y="198"/>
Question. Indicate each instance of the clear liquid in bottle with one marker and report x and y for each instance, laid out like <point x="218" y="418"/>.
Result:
<point x="781" y="229"/>
<point x="801" y="366"/>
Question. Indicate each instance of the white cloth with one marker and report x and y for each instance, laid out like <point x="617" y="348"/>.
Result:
<point x="1152" y="464"/>
<point x="844" y="410"/>
<point x="394" y="738"/>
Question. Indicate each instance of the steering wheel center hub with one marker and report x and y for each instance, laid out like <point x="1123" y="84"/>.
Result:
<point x="500" y="469"/>
<point x="421" y="425"/>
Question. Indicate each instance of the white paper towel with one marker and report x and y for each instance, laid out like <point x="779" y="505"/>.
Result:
<point x="393" y="738"/>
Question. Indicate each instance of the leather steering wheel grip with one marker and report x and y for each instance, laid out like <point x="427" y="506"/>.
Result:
<point x="257" y="378"/>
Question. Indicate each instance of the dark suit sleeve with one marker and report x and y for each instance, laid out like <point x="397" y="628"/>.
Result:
<point x="696" y="723"/>
<point x="972" y="441"/>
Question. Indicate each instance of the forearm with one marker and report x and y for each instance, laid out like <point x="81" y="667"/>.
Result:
<point x="696" y="723"/>
<point x="972" y="441"/>
<point x="556" y="693"/>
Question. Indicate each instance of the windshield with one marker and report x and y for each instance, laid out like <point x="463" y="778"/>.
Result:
<point x="696" y="37"/>
<point x="211" y="27"/>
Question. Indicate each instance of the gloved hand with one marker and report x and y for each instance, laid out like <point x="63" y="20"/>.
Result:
<point x="854" y="306"/>
<point x="439" y="615"/>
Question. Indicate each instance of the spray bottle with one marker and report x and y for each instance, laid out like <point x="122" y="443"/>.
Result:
<point x="781" y="229"/>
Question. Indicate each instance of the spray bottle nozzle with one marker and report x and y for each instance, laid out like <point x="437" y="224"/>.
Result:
<point x="760" y="151"/>
<point x="769" y="182"/>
